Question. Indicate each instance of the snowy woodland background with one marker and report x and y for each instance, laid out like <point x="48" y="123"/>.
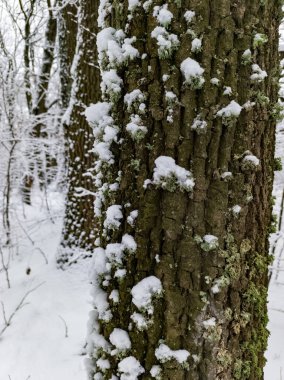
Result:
<point x="44" y="310"/>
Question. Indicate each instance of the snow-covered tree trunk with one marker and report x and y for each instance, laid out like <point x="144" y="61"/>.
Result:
<point x="184" y="138"/>
<point x="79" y="214"/>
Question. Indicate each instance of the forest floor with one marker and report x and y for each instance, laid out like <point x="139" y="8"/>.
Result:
<point x="46" y="336"/>
<point x="48" y="308"/>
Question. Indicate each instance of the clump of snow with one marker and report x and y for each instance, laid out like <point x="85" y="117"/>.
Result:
<point x="163" y="15"/>
<point x="120" y="273"/>
<point x="130" y="368"/>
<point x="114" y="48"/>
<point x="134" y="97"/>
<point x="226" y="176"/>
<point x="167" y="42"/>
<point x="250" y="162"/>
<point x="132" y="4"/>
<point x="258" y="74"/>
<point x="259" y="39"/>
<point x="170" y="176"/>
<point x="120" y="339"/>
<point x="113" y="217"/>
<point x="189" y="16"/>
<point x="143" y="292"/>
<point x="132" y="217"/>
<point x="209" y="323"/>
<point x="196" y="45"/>
<point x="230" y="112"/>
<point x="129" y="243"/>
<point x="114" y="296"/>
<point x="246" y="57"/>
<point x="215" y="81"/>
<point x="233" y="109"/>
<point x="103" y="364"/>
<point x="156" y="372"/>
<point x="199" y="125"/>
<point x="140" y="321"/>
<point x="111" y="83"/>
<point x="209" y="243"/>
<point x="192" y="73"/>
<point x="163" y="353"/>
<point x="135" y="128"/>
<point x="227" y="90"/>
<point x="236" y="210"/>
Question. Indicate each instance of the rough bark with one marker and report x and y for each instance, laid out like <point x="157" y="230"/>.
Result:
<point x="172" y="223"/>
<point x="79" y="216"/>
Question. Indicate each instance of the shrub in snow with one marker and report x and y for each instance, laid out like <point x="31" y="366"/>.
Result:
<point x="143" y="292"/>
<point x="156" y="372"/>
<point x="192" y="73"/>
<point x="103" y="364"/>
<point x="209" y="243"/>
<point x="130" y="368"/>
<point x="215" y="81"/>
<point x="169" y="176"/>
<point x="229" y="113"/>
<point x="163" y="353"/>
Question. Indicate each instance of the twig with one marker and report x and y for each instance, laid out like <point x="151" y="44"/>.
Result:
<point x="20" y="306"/>
<point x="65" y="325"/>
<point x="5" y="268"/>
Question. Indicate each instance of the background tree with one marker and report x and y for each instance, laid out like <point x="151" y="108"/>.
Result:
<point x="184" y="138"/>
<point x="79" y="216"/>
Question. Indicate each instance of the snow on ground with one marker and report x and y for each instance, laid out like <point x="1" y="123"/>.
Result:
<point x="35" y="345"/>
<point x="274" y="369"/>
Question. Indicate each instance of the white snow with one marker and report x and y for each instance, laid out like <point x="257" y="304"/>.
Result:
<point x="143" y="292"/>
<point x="192" y="72"/>
<point x="156" y="371"/>
<point x="163" y="353"/>
<point x="189" y="16"/>
<point x="140" y="321"/>
<point x="35" y="345"/>
<point x="166" y="169"/>
<point x="233" y="109"/>
<point x="258" y="74"/>
<point x="209" y="323"/>
<point x="196" y="45"/>
<point x="163" y="15"/>
<point x="120" y="339"/>
<point x="113" y="217"/>
<point x="251" y="160"/>
<point x="132" y="4"/>
<point x="130" y="368"/>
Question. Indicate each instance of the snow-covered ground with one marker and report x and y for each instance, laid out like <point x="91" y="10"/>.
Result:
<point x="45" y="339"/>
<point x="35" y="345"/>
<point x="274" y="369"/>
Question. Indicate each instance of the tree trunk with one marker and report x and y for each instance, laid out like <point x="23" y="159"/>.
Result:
<point x="180" y="277"/>
<point x="79" y="215"/>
